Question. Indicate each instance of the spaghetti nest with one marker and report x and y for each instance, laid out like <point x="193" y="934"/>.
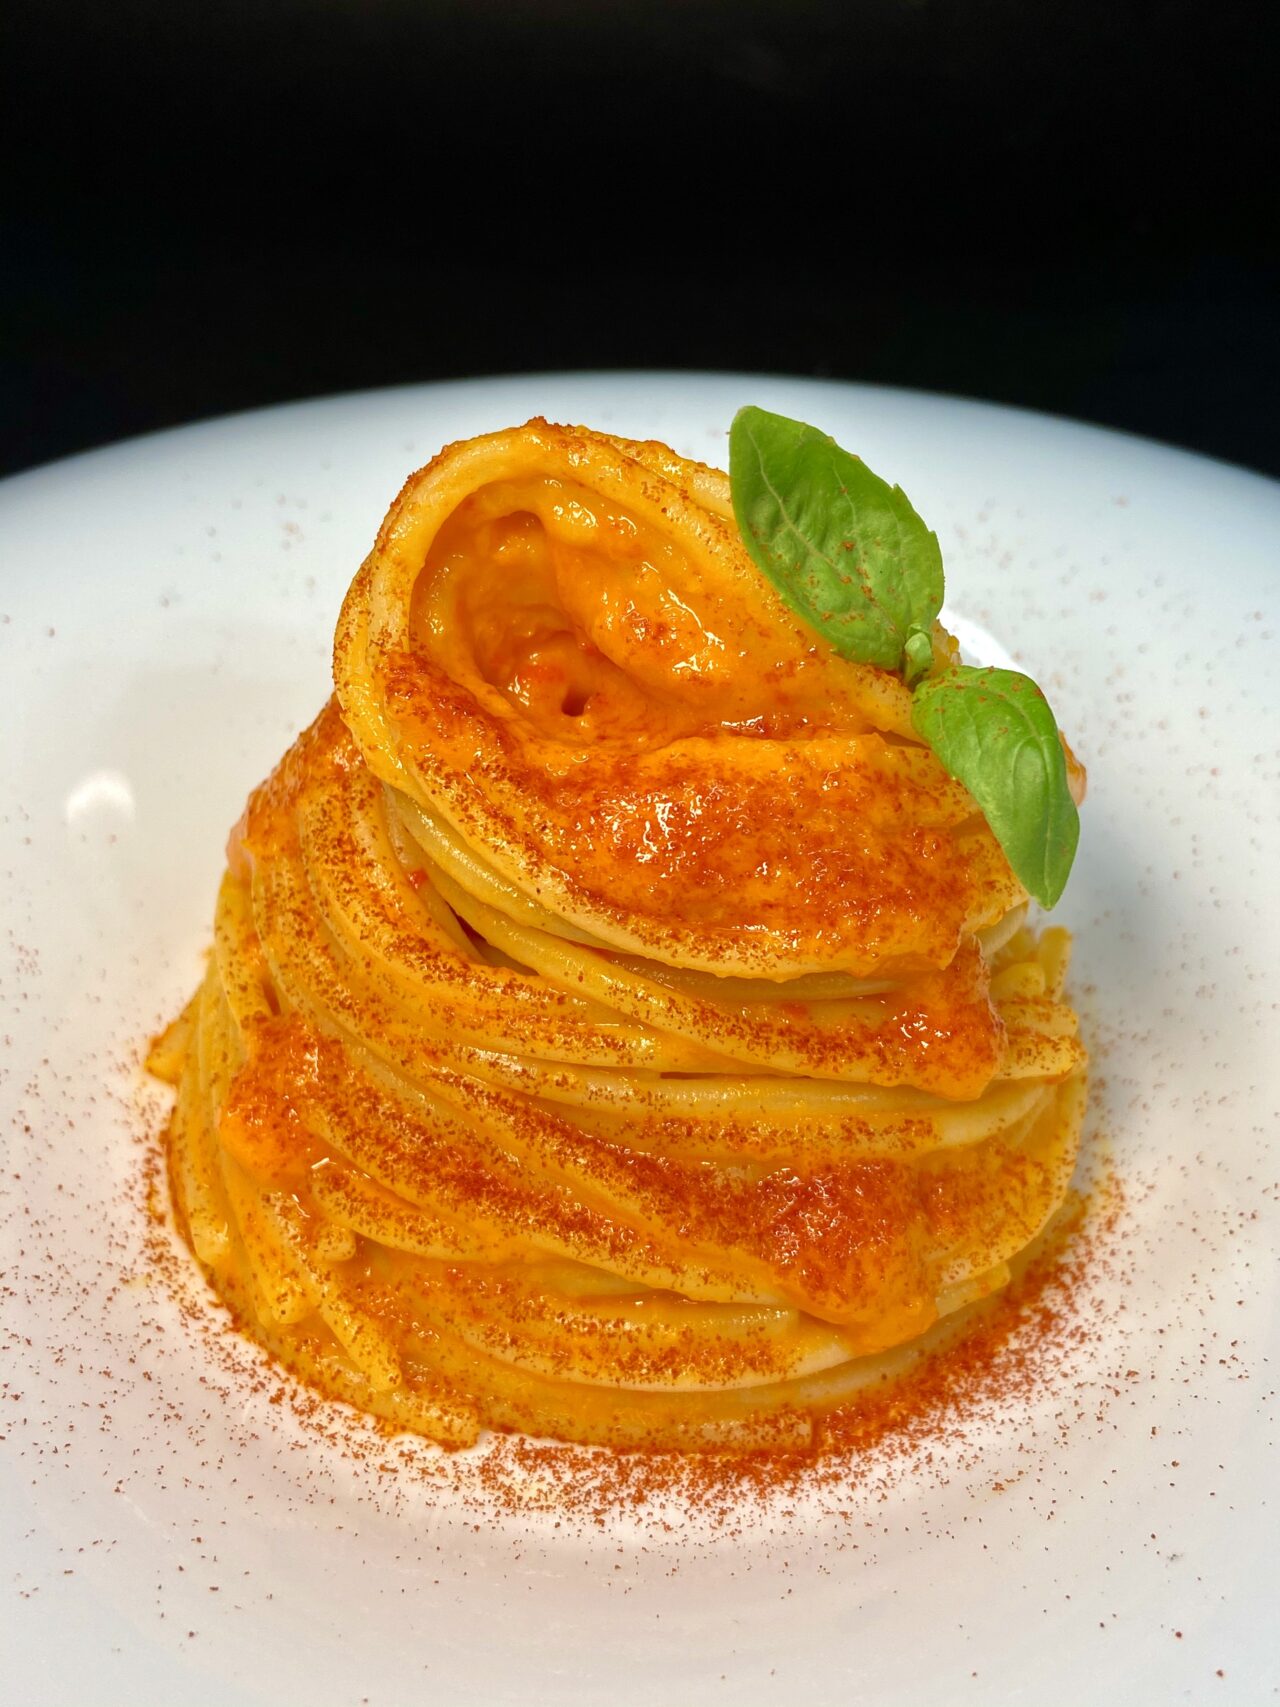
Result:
<point x="619" y="1027"/>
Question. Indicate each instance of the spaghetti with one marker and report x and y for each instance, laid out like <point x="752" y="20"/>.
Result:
<point x="619" y="1027"/>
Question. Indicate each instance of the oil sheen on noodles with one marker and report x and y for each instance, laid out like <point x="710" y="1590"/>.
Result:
<point x="619" y="1027"/>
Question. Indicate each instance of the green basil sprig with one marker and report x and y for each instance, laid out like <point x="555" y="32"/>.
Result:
<point x="853" y="559"/>
<point x="845" y="550"/>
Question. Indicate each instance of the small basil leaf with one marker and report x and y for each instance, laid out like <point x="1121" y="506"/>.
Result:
<point x="844" y="549"/>
<point x="994" y="732"/>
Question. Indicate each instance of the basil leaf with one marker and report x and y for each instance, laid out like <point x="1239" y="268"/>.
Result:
<point x="844" y="549"/>
<point x="994" y="732"/>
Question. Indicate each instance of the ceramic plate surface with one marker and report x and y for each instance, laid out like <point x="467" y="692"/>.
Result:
<point x="174" y="1530"/>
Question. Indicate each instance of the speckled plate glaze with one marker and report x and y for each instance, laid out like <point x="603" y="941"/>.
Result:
<point x="177" y="1528"/>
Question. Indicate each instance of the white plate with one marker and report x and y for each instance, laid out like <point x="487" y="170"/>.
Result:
<point x="171" y="1535"/>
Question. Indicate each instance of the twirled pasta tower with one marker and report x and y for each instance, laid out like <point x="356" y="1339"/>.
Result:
<point x="620" y="1028"/>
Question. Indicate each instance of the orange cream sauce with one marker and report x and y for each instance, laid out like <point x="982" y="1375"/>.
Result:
<point x="628" y="703"/>
<point x="936" y="1029"/>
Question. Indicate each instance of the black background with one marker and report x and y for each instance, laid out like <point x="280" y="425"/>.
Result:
<point x="217" y="205"/>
